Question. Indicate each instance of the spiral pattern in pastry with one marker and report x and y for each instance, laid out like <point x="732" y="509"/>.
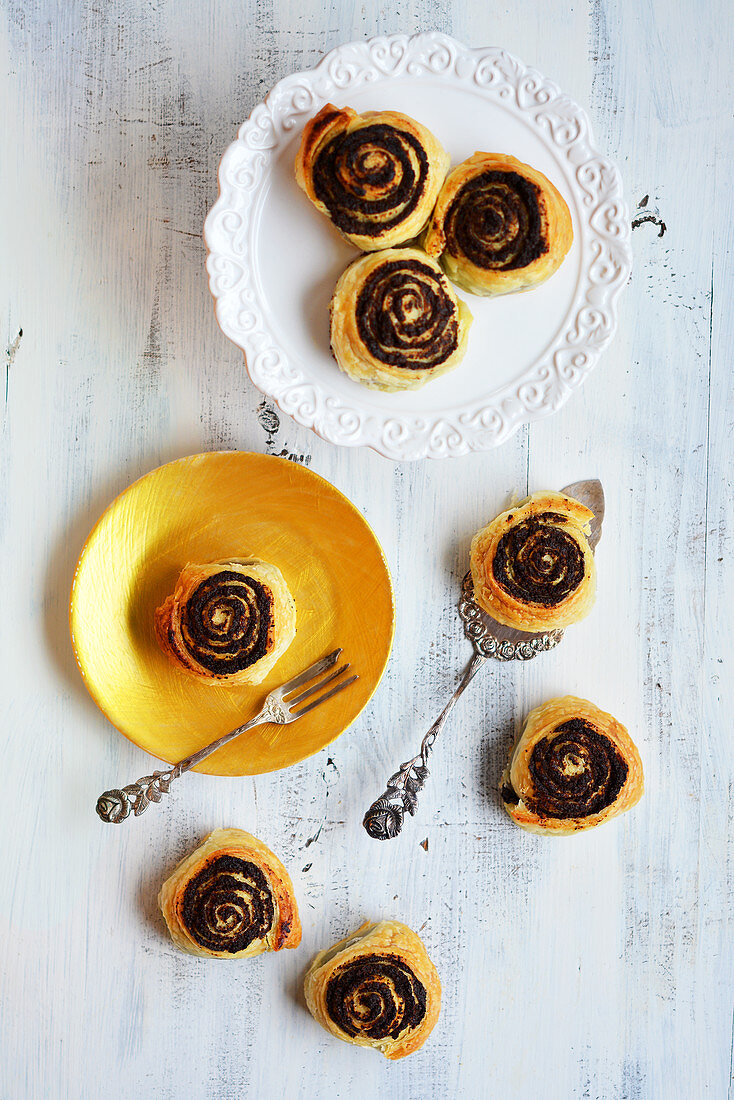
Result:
<point x="375" y="175"/>
<point x="573" y="767"/>
<point x="395" y="320"/>
<point x="499" y="225"/>
<point x="532" y="567"/>
<point x="377" y="996"/>
<point x="227" y="621"/>
<point x="231" y="898"/>
<point x="376" y="988"/>
<point x="495" y="221"/>
<point x="576" y="772"/>
<point x="538" y="561"/>
<point x="227" y="905"/>
<point x="370" y="179"/>
<point x="405" y="317"/>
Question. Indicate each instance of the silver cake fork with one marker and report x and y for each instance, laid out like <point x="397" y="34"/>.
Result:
<point x="114" y="806"/>
<point x="385" y="817"/>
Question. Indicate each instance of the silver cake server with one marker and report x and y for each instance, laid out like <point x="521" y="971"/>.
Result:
<point x="385" y="817"/>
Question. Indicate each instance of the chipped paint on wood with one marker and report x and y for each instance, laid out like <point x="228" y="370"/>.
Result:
<point x="10" y="355"/>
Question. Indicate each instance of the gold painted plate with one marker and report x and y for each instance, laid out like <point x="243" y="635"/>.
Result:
<point x="204" y="508"/>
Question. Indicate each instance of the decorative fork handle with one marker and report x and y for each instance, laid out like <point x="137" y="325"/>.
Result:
<point x="114" y="806"/>
<point x="384" y="819"/>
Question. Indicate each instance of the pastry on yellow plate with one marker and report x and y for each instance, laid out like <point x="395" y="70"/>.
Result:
<point x="532" y="567"/>
<point x="396" y="322"/>
<point x="499" y="226"/>
<point x="230" y="899"/>
<point x="227" y="622"/>
<point x="376" y="988"/>
<point x="573" y="767"/>
<point x="376" y="175"/>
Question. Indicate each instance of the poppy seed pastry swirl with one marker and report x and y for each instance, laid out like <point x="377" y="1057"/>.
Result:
<point x="227" y="622"/>
<point x="532" y="567"/>
<point x="375" y="996"/>
<point x="499" y="225"/>
<point x="574" y="766"/>
<point x="395" y="320"/>
<point x="376" y="988"/>
<point x="376" y="176"/>
<point x="405" y="316"/>
<point x="576" y="772"/>
<point x="227" y="904"/>
<point x="495" y="220"/>
<point x="231" y="898"/>
<point x="370" y="179"/>
<point x="538" y="561"/>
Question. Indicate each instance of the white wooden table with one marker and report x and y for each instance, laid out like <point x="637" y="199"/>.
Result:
<point x="598" y="966"/>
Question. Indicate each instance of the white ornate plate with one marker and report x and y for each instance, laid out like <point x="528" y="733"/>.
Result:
<point x="273" y="259"/>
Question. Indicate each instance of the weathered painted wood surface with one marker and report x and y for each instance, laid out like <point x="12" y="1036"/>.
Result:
<point x="593" y="967"/>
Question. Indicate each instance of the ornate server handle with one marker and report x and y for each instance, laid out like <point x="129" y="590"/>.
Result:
<point x="384" y="819"/>
<point x="114" y="806"/>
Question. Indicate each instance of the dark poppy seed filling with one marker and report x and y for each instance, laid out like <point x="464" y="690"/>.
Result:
<point x="227" y="905"/>
<point x="495" y="221"/>
<point x="538" y="562"/>
<point x="509" y="794"/>
<point x="370" y="179"/>
<point x="406" y="317"/>
<point x="375" y="997"/>
<point x="576" y="771"/>
<point x="227" y="623"/>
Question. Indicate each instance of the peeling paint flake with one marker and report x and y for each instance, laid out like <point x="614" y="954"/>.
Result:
<point x="10" y="355"/>
<point x="654" y="219"/>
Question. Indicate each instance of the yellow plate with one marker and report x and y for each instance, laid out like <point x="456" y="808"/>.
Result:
<point x="201" y="509"/>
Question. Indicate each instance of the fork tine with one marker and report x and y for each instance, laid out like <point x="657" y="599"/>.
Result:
<point x="316" y="687"/>
<point x="322" y="698"/>
<point x="314" y="670"/>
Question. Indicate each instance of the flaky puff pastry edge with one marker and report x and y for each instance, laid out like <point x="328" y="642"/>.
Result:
<point x="381" y="938"/>
<point x="487" y="282"/>
<point x="351" y="355"/>
<point x="284" y="616"/>
<point x="332" y="121"/>
<point x="502" y="605"/>
<point x="538" y="724"/>
<point x="286" y="927"/>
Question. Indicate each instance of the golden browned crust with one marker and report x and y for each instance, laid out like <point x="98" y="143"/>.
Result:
<point x="396" y="322"/>
<point x="232" y="898"/>
<point x="532" y="566"/>
<point x="227" y="622"/>
<point x="499" y="226"/>
<point x="365" y="988"/>
<point x="326" y="125"/>
<point x="376" y="176"/>
<point x="574" y="766"/>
